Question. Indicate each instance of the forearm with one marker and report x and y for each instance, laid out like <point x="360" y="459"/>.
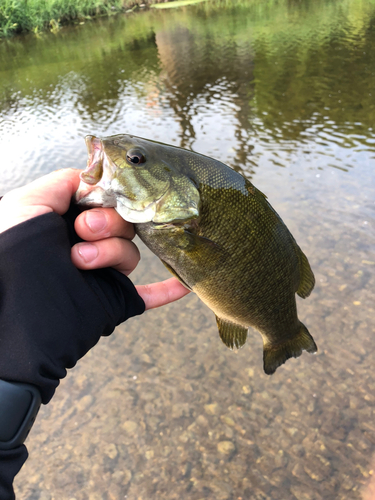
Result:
<point x="48" y="306"/>
<point x="11" y="462"/>
<point x="51" y="313"/>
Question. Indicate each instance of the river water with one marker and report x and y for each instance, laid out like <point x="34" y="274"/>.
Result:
<point x="282" y="91"/>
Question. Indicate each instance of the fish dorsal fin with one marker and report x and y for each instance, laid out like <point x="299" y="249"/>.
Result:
<point x="232" y="334"/>
<point x="253" y="190"/>
<point x="307" y="279"/>
<point x="276" y="355"/>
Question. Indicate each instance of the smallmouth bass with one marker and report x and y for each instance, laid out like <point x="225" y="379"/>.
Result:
<point x="214" y="231"/>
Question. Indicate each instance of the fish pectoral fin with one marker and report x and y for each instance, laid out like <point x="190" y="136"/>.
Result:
<point x="200" y="247"/>
<point x="201" y="242"/>
<point x="232" y="334"/>
<point x="276" y="355"/>
<point x="172" y="271"/>
<point x="307" y="279"/>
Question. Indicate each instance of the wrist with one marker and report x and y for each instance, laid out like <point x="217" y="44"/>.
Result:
<point x="19" y="404"/>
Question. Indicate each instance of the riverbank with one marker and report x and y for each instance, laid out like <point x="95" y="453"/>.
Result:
<point x="18" y="16"/>
<point x="35" y="16"/>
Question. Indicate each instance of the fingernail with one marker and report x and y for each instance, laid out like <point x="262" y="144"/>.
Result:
<point x="88" y="252"/>
<point x="96" y="220"/>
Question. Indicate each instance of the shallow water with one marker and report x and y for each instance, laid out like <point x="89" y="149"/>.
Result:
<point x="284" y="93"/>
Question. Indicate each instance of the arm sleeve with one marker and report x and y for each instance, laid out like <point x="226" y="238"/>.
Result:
<point x="51" y="313"/>
<point x="11" y="462"/>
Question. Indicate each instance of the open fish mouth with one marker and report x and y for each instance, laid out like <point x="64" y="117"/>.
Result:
<point x="94" y="170"/>
<point x="95" y="188"/>
<point x="95" y="197"/>
<point x="99" y="188"/>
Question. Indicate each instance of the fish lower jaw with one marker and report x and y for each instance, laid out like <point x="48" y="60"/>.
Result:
<point x="99" y="197"/>
<point x="136" y="216"/>
<point x="94" y="197"/>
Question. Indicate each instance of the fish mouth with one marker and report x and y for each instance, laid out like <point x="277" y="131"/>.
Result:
<point x="95" y="197"/>
<point x="95" y="187"/>
<point x="98" y="187"/>
<point x="94" y="170"/>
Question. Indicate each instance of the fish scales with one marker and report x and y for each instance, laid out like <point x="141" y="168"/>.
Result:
<point x="215" y="232"/>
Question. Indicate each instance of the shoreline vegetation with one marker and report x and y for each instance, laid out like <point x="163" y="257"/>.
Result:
<point x="35" y="16"/>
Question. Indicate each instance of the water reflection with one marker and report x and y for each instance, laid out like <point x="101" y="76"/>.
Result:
<point x="253" y="78"/>
<point x="282" y="91"/>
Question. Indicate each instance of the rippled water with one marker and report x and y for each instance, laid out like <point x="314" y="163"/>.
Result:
<point x="283" y="92"/>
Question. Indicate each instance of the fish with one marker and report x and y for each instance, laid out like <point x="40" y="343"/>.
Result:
<point x="214" y="231"/>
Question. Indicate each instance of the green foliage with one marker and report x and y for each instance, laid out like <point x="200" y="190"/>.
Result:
<point x="36" y="15"/>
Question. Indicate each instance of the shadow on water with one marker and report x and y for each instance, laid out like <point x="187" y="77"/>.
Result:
<point x="282" y="91"/>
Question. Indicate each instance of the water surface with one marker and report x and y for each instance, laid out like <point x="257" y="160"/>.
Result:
<point x="284" y="93"/>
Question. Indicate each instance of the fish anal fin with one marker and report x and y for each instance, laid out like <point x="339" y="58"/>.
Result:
<point x="307" y="279"/>
<point x="276" y="355"/>
<point x="172" y="271"/>
<point x="232" y="334"/>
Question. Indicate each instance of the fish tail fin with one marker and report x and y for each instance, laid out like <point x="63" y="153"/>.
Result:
<point x="276" y="355"/>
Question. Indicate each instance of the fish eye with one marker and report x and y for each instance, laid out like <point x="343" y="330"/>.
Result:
<point x="135" y="157"/>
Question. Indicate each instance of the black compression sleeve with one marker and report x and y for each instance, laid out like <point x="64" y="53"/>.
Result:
<point x="51" y="313"/>
<point x="11" y="462"/>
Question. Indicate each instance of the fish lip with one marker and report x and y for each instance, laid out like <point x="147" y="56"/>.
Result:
<point x="121" y="197"/>
<point x="96" y="157"/>
<point x="93" y="144"/>
<point x="87" y="198"/>
<point x="109" y="199"/>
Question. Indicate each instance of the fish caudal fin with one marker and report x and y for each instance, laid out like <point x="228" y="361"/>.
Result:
<point x="232" y="334"/>
<point x="276" y="355"/>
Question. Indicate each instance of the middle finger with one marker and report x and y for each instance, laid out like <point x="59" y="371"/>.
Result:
<point x="119" y="253"/>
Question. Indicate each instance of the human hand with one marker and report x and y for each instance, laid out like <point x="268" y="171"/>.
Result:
<point x="108" y="244"/>
<point x="50" y="193"/>
<point x="107" y="236"/>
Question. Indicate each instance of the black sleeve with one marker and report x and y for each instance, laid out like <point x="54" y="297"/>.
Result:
<point x="51" y="313"/>
<point x="11" y="462"/>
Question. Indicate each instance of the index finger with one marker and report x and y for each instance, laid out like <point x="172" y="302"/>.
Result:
<point x="162" y="293"/>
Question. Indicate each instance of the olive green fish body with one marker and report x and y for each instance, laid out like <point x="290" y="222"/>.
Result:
<point x="247" y="272"/>
<point x="219" y="235"/>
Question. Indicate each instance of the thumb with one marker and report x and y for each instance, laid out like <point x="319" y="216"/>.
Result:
<point x="50" y="193"/>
